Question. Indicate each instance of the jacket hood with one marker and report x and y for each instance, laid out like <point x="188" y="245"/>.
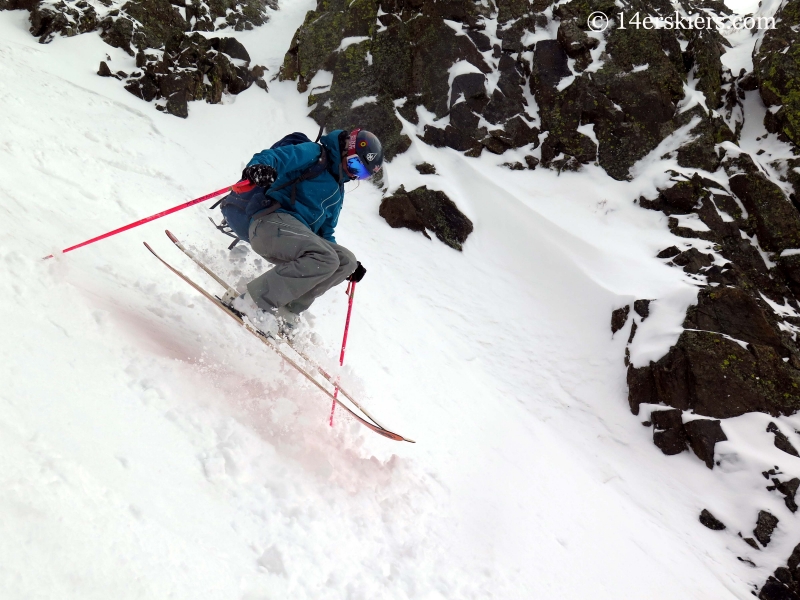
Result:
<point x="331" y="143"/>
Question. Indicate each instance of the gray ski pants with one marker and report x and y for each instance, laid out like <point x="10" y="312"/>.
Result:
<point x="306" y="266"/>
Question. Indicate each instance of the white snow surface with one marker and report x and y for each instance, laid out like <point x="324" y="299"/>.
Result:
<point x="150" y="448"/>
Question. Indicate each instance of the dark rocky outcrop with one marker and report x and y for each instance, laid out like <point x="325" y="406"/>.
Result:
<point x="788" y="488"/>
<point x="781" y="441"/>
<point x="423" y="209"/>
<point x="777" y="70"/>
<point x="784" y="584"/>
<point x="703" y="435"/>
<point x="715" y="377"/>
<point x="710" y="521"/>
<point x="192" y="67"/>
<point x="618" y="318"/>
<point x="400" y="62"/>
<point x="642" y="308"/>
<point x="175" y="64"/>
<point x="735" y="355"/>
<point x="669" y="433"/>
<point x="765" y="526"/>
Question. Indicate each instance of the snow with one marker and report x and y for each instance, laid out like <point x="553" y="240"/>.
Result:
<point x="363" y="101"/>
<point x="152" y="449"/>
<point x="351" y="41"/>
<point x="692" y="221"/>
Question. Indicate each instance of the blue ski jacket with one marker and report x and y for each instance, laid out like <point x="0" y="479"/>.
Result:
<point x="318" y="201"/>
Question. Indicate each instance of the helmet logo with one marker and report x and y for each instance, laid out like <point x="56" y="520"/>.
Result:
<point x="371" y="156"/>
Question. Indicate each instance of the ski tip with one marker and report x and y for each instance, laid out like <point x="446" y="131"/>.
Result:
<point x="170" y="236"/>
<point x="48" y="256"/>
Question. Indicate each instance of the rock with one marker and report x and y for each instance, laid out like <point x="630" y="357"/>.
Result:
<point x="734" y="312"/>
<point x="777" y="69"/>
<point x="409" y="57"/>
<point x="788" y="489"/>
<point x="777" y="222"/>
<point x="472" y="86"/>
<point x="682" y="198"/>
<point x="790" y="267"/>
<point x="191" y="66"/>
<point x="693" y="261"/>
<point x="18" y="4"/>
<point x="784" y="584"/>
<point x="576" y="43"/>
<point x="450" y="137"/>
<point x="118" y="32"/>
<point x="668" y="252"/>
<point x="781" y="441"/>
<point x="144" y="87"/>
<point x="642" y="308"/>
<point x="702" y="152"/>
<point x="423" y="209"/>
<point x="765" y="525"/>
<point x="703" y="53"/>
<point x="703" y="435"/>
<point x="550" y="63"/>
<point x="669" y="434"/>
<point x="751" y="542"/>
<point x="710" y="521"/>
<point x="520" y="134"/>
<point x="49" y="19"/>
<point x="618" y="318"/>
<point x="177" y="105"/>
<point x="426" y="168"/>
<point x="158" y="22"/>
<point x="777" y="590"/>
<point x="233" y="48"/>
<point x="104" y="71"/>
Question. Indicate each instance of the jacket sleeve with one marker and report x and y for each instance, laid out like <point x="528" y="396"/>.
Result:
<point x="266" y="157"/>
<point x="287" y="159"/>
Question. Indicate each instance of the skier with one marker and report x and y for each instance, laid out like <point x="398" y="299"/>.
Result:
<point x="292" y="225"/>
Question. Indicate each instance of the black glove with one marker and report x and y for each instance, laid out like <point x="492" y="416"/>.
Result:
<point x="358" y="274"/>
<point x="260" y="175"/>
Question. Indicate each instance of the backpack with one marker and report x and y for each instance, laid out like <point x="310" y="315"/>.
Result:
<point x="239" y="208"/>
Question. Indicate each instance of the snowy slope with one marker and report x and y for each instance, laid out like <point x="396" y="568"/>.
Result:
<point x="151" y="449"/>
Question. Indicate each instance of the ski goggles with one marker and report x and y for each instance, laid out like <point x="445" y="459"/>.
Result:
<point x="357" y="168"/>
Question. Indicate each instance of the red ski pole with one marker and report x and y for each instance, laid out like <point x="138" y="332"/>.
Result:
<point x="351" y="291"/>
<point x="241" y="186"/>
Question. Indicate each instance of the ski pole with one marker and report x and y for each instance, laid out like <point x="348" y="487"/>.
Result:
<point x="351" y="291"/>
<point x="242" y="186"/>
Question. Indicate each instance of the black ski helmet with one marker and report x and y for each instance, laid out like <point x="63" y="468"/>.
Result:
<point x="369" y="152"/>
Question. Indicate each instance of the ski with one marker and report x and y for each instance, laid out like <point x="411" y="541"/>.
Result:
<point x="266" y="340"/>
<point x="231" y="290"/>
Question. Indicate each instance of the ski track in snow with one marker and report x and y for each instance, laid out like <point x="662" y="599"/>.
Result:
<point x="150" y="449"/>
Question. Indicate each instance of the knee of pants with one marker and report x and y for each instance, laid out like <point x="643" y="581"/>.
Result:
<point x="328" y="261"/>
<point x="347" y="261"/>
